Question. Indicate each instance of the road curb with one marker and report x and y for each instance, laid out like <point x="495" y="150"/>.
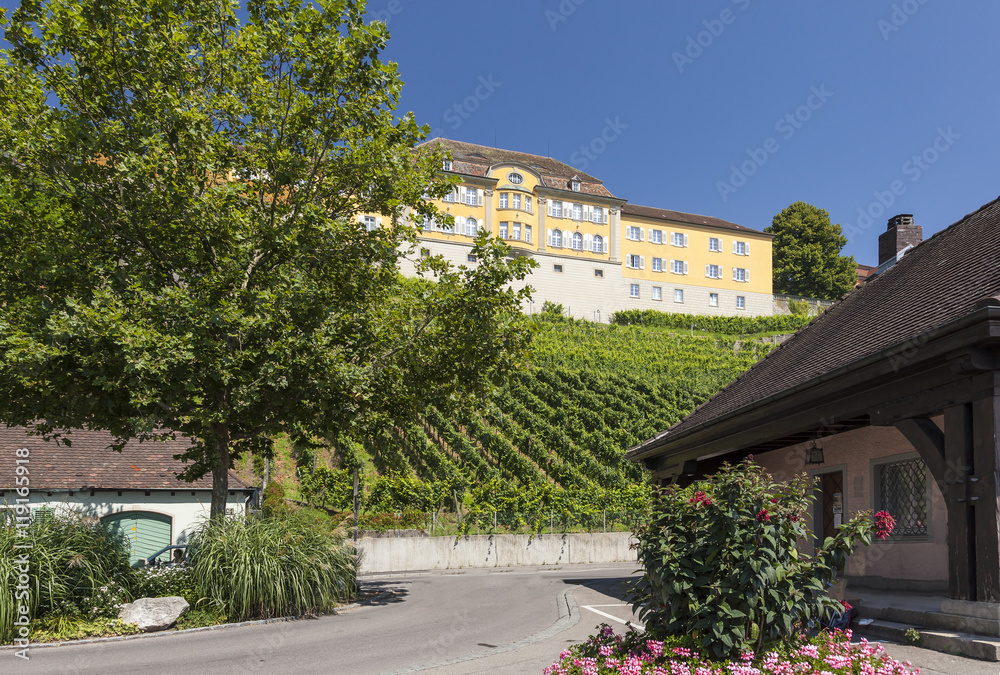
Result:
<point x="201" y="629"/>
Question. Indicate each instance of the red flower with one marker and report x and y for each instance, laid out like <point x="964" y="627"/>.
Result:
<point x="763" y="516"/>
<point x="884" y="524"/>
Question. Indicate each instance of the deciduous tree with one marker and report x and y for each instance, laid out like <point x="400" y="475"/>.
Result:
<point x="807" y="260"/>
<point x="181" y="241"/>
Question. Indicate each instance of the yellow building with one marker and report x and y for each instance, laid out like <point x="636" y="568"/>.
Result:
<point x="597" y="254"/>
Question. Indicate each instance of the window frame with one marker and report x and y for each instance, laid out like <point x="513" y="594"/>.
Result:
<point x="679" y="295"/>
<point x="713" y="299"/>
<point x="875" y="495"/>
<point x="634" y="291"/>
<point x="658" y="293"/>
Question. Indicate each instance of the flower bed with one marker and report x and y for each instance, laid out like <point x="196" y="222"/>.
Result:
<point x="634" y="654"/>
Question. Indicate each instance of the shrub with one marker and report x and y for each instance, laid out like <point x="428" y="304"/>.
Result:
<point x="274" y="499"/>
<point x="721" y="562"/>
<point x="728" y="325"/>
<point x="166" y="581"/>
<point x="328" y="487"/>
<point x="638" y="654"/>
<point x="798" y="307"/>
<point x="272" y="566"/>
<point x="78" y="568"/>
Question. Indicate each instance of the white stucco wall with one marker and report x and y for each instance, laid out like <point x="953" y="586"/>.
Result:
<point x="187" y="508"/>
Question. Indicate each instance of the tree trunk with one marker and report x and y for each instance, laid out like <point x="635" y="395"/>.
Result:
<point x="220" y="473"/>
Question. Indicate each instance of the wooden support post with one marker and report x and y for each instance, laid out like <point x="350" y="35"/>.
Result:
<point x="984" y="493"/>
<point x="958" y="459"/>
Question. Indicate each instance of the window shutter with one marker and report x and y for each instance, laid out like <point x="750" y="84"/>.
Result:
<point x="708" y="270"/>
<point x="567" y="209"/>
<point x="461" y="194"/>
<point x="482" y="221"/>
<point x="734" y="247"/>
<point x="746" y="249"/>
<point x="588" y="212"/>
<point x="361" y="219"/>
<point x="378" y="221"/>
<point x="685" y="268"/>
<point x="685" y="240"/>
<point x="746" y="275"/>
<point x="642" y="262"/>
<point x="642" y="234"/>
<point x="588" y="242"/>
<point x="479" y="196"/>
<point x="734" y="274"/>
<point x="548" y="211"/>
<point x="548" y="234"/>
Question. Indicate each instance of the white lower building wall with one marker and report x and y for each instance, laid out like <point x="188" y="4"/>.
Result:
<point x="584" y="295"/>
<point x="188" y="509"/>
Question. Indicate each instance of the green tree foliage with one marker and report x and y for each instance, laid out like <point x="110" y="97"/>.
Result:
<point x="722" y="565"/>
<point x="180" y="239"/>
<point x="807" y="260"/>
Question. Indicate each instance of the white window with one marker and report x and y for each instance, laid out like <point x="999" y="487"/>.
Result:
<point x="633" y="290"/>
<point x="555" y="208"/>
<point x="515" y="231"/>
<point x="678" y="239"/>
<point x="678" y="267"/>
<point x="448" y="228"/>
<point x="428" y="224"/>
<point x="599" y="274"/>
<point x="577" y="241"/>
<point x="657" y="264"/>
<point x="678" y="295"/>
<point x="527" y="204"/>
<point x="741" y="302"/>
<point x="598" y="215"/>
<point x="446" y="165"/>
<point x="741" y="248"/>
<point x="713" y="299"/>
<point x="471" y="257"/>
<point x="714" y="244"/>
<point x="471" y="197"/>
<point x="515" y="178"/>
<point x="449" y="197"/>
<point x="527" y="233"/>
<point x="471" y="225"/>
<point x="557" y="268"/>
<point x="503" y="230"/>
<point x="656" y="236"/>
<point x="577" y="211"/>
<point x="575" y="185"/>
<point x="633" y="233"/>
<point x="636" y="262"/>
<point x="516" y="201"/>
<point x="503" y="200"/>
<point x="556" y="239"/>
<point x="740" y="274"/>
<point x="370" y="223"/>
<point x="598" y="244"/>
<point x="657" y="293"/>
<point x="713" y="271"/>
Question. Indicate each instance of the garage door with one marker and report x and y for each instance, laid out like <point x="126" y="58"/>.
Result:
<point x="146" y="532"/>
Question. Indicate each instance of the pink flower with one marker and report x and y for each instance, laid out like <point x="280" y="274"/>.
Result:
<point x="763" y="516"/>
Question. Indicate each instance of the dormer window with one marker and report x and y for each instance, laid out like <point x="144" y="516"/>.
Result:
<point x="574" y="184"/>
<point x="446" y="165"/>
<point x="514" y="178"/>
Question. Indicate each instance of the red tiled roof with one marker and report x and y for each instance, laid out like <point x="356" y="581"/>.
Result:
<point x="475" y="160"/>
<point x="938" y="281"/>
<point x="681" y="217"/>
<point x="89" y="464"/>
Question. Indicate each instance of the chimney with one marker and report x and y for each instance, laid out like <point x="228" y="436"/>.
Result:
<point x="899" y="234"/>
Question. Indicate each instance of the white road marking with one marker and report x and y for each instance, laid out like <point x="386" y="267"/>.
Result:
<point x="639" y="626"/>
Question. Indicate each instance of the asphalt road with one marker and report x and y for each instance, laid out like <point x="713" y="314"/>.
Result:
<point x="475" y="621"/>
<point x="432" y="623"/>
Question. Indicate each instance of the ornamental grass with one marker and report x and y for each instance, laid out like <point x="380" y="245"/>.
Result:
<point x="251" y="568"/>
<point x="636" y="654"/>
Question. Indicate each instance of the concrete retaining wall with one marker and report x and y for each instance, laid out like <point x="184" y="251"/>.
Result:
<point x="487" y="550"/>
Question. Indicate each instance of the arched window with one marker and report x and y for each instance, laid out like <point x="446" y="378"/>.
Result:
<point x="470" y="227"/>
<point x="556" y="238"/>
<point x="598" y="244"/>
<point x="577" y="241"/>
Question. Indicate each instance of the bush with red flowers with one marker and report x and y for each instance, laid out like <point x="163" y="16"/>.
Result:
<point x="722" y="565"/>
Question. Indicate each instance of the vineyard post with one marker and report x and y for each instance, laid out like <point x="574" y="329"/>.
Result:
<point x="551" y="520"/>
<point x="605" y="520"/>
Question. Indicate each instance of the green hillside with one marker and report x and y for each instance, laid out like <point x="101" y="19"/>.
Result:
<point x="553" y="437"/>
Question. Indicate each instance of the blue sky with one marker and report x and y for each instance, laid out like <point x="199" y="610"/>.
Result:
<point x="731" y="108"/>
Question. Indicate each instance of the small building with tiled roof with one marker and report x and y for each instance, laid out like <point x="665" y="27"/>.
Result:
<point x="890" y="400"/>
<point x="135" y="491"/>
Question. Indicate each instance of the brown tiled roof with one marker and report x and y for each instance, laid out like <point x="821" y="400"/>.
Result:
<point x="89" y="464"/>
<point x="938" y="281"/>
<point x="681" y="217"/>
<point x="472" y="159"/>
